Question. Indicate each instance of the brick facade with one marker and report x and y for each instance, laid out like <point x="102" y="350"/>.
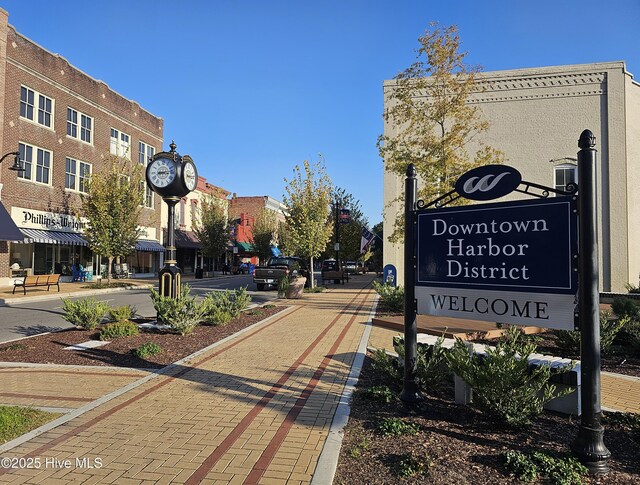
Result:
<point x="25" y="64"/>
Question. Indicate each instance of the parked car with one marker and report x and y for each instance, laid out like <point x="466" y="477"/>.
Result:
<point x="351" y="267"/>
<point x="276" y="267"/>
<point x="329" y="265"/>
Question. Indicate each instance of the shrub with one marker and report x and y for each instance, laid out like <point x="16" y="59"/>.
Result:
<point x="86" y="313"/>
<point x="146" y="350"/>
<point x="626" y="307"/>
<point x="397" y="427"/>
<point x="392" y="297"/>
<point x="530" y="467"/>
<point x="182" y="314"/>
<point x="379" y="393"/>
<point x="283" y="285"/>
<point x="569" y="340"/>
<point x="504" y="387"/>
<point x="122" y="313"/>
<point x="221" y="307"/>
<point x="432" y="367"/>
<point x="119" y="329"/>
<point x="631" y="337"/>
<point x="386" y="364"/>
<point x="411" y="465"/>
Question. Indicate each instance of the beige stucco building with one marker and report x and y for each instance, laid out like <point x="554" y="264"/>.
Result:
<point x="536" y="116"/>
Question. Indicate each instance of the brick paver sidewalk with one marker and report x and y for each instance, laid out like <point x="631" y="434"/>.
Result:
<point x="255" y="408"/>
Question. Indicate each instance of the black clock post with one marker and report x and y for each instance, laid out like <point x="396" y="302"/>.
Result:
<point x="171" y="176"/>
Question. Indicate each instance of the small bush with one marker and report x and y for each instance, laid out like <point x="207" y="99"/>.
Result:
<point x="504" y="387"/>
<point x="626" y="307"/>
<point x="315" y="289"/>
<point x="283" y="285"/>
<point x="182" y="314"/>
<point x="119" y="329"/>
<point x="147" y="350"/>
<point x="386" y="364"/>
<point x="530" y="467"/>
<point x="86" y="313"/>
<point x="122" y="313"/>
<point x="569" y="340"/>
<point x="379" y="393"/>
<point x="397" y="427"/>
<point x="631" y="337"/>
<point x="432" y="367"/>
<point x="221" y="307"/>
<point x="392" y="297"/>
<point x="411" y="465"/>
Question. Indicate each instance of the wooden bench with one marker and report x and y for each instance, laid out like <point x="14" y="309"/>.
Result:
<point x="38" y="280"/>
<point x="331" y="276"/>
<point x="560" y="377"/>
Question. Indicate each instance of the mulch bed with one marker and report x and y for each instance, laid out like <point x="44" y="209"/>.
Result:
<point x="48" y="348"/>
<point x="457" y="445"/>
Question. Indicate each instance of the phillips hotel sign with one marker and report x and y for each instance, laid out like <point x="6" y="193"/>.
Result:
<point x="510" y="262"/>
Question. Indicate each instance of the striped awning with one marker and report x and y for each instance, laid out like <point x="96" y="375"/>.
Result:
<point x="53" y="237"/>
<point x="149" y="245"/>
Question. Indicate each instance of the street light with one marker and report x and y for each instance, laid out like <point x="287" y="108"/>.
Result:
<point x="17" y="163"/>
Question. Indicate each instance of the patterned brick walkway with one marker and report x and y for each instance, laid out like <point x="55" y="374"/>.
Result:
<point x="254" y="409"/>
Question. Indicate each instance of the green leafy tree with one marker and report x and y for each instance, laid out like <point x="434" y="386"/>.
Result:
<point x="308" y="201"/>
<point x="264" y="232"/>
<point x="112" y="206"/>
<point x="211" y="226"/>
<point x="433" y="124"/>
<point x="350" y="233"/>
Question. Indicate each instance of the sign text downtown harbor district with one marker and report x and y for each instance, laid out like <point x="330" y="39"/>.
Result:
<point x="510" y="262"/>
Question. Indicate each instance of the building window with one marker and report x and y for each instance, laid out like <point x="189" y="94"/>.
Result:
<point x="119" y="144"/>
<point x="86" y="125"/>
<point x="145" y="152"/>
<point x="563" y="175"/>
<point x="76" y="175"/>
<point x="28" y="98"/>
<point x="37" y="163"/>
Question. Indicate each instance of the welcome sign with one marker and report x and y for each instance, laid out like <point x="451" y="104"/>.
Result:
<point x="511" y="262"/>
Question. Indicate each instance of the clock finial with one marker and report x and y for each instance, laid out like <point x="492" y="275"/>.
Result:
<point x="173" y="146"/>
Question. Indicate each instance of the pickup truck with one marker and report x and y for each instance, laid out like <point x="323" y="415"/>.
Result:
<point x="276" y="267"/>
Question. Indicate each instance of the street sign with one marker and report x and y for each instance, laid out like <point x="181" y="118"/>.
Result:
<point x="509" y="262"/>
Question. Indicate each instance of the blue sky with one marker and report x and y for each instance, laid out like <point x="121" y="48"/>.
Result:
<point x="251" y="88"/>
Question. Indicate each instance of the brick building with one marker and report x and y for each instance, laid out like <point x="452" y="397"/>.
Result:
<point x="188" y="248"/>
<point x="64" y="124"/>
<point x="243" y="210"/>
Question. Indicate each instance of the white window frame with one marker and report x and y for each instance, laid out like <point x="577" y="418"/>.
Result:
<point x="81" y="172"/>
<point x="564" y="168"/>
<point x="31" y="156"/>
<point x="34" y="111"/>
<point x="145" y="152"/>
<point x="120" y="144"/>
<point x="83" y="132"/>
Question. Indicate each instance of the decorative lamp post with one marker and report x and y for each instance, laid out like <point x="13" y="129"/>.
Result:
<point x="171" y="176"/>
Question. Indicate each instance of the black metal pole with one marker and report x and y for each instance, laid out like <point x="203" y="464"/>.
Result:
<point x="337" y="245"/>
<point x="589" y="445"/>
<point x="410" y="393"/>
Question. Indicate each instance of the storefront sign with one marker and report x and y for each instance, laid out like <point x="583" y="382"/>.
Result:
<point x="508" y="262"/>
<point x="48" y="221"/>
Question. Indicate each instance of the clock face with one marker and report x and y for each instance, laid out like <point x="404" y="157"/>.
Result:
<point x="162" y="172"/>
<point x="190" y="177"/>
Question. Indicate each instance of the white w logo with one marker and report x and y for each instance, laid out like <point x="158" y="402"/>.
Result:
<point x="484" y="184"/>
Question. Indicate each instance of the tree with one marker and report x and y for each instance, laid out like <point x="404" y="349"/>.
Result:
<point x="211" y="226"/>
<point x="308" y="201"/>
<point x="112" y="206"/>
<point x="434" y="122"/>
<point x="264" y="232"/>
<point x="350" y="233"/>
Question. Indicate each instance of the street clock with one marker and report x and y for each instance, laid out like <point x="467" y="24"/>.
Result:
<point x="171" y="175"/>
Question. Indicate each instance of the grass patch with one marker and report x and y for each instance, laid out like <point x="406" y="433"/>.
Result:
<point x="16" y="421"/>
<point x="100" y="286"/>
<point x="315" y="289"/>
<point x="14" y="347"/>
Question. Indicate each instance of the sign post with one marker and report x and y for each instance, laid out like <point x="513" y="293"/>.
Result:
<point x="589" y="444"/>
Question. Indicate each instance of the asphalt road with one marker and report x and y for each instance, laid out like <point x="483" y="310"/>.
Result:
<point x="30" y="318"/>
